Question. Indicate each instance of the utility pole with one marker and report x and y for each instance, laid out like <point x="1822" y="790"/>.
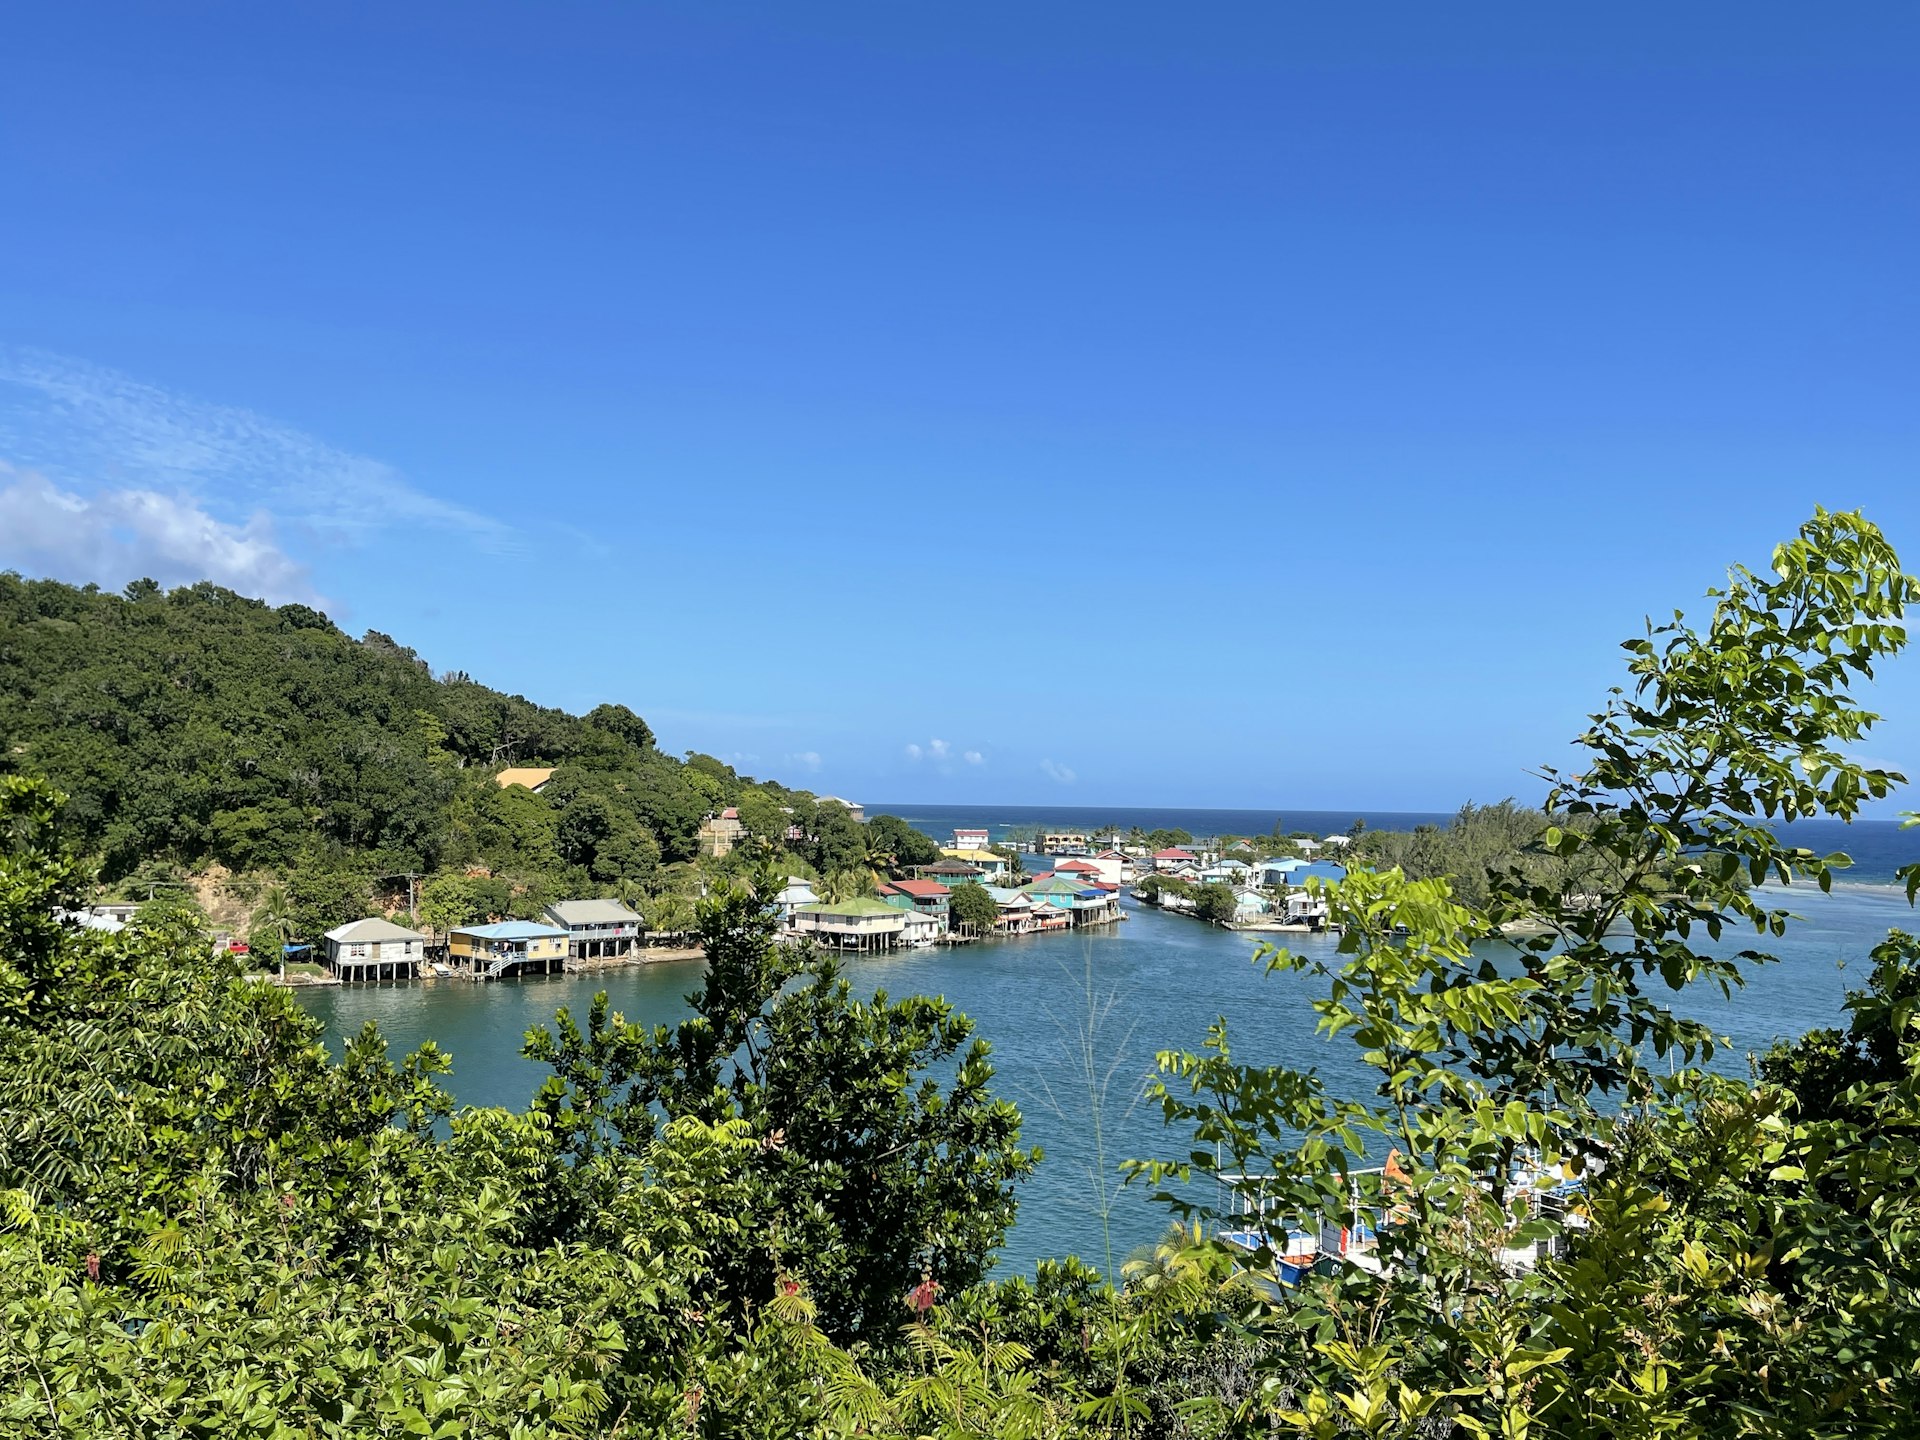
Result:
<point x="412" y="878"/>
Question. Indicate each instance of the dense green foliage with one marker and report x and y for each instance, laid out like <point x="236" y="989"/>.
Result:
<point x="1214" y="902"/>
<point x="206" y="1227"/>
<point x="1746" y="1256"/>
<point x="973" y="906"/>
<point x="196" y="726"/>
<point x="1473" y="851"/>
<point x="867" y="1184"/>
<point x="775" y="1218"/>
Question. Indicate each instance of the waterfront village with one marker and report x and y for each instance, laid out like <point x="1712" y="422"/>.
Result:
<point x="1215" y="881"/>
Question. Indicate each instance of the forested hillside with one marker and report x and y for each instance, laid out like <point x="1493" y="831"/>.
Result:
<point x="196" y="727"/>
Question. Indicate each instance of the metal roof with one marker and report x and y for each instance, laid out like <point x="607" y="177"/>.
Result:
<point x="359" y="932"/>
<point x="920" y="889"/>
<point x="592" y="912"/>
<point x="850" y="908"/>
<point x="511" y="930"/>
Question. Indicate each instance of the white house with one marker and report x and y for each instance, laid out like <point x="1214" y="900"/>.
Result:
<point x="374" y="949"/>
<point x="1305" y="909"/>
<point x="1114" y="867"/>
<point x="922" y="927"/>
<point x="969" y="839"/>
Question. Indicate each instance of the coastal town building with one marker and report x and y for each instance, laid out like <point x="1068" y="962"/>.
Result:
<point x="509" y="947"/>
<point x="993" y="867"/>
<point x="950" y="872"/>
<point x="863" y="925"/>
<point x="922" y="928"/>
<point x="929" y="897"/>
<point x="1016" y="910"/>
<point x="969" y="840"/>
<point x="720" y="832"/>
<point x="598" y="929"/>
<point x="1305" y="909"/>
<point x="373" y="949"/>
<point x="791" y="896"/>
<point x="1225" y="872"/>
<point x="107" y="918"/>
<point x="1114" y="866"/>
<point x="857" y="811"/>
<point x="1081" y="902"/>
<point x="529" y="777"/>
<point x="1064" y="842"/>
<point x="1274" y="873"/>
<point x="1173" y="860"/>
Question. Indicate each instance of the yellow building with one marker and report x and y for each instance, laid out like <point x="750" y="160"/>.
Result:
<point x="511" y="947"/>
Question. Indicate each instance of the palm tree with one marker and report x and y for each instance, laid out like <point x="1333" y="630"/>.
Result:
<point x="274" y="914"/>
<point x="1179" y="1267"/>
<point x="879" y="859"/>
<point x="843" y="885"/>
<point x="669" y="914"/>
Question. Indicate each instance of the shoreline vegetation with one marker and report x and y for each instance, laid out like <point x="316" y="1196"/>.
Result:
<point x="255" y="766"/>
<point x="1542" y="1213"/>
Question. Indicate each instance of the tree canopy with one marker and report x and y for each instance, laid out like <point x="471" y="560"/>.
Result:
<point x="196" y="727"/>
<point x="777" y="1217"/>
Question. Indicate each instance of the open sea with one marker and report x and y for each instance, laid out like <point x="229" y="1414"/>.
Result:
<point x="1155" y="982"/>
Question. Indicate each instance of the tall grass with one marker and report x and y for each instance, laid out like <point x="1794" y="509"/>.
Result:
<point x="1098" y="1087"/>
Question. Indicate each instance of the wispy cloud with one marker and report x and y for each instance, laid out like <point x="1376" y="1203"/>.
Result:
<point x="941" y="754"/>
<point x="808" y="760"/>
<point x="115" y="536"/>
<point x="96" y="429"/>
<point x="1056" y="771"/>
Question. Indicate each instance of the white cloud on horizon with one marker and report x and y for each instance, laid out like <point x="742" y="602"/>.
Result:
<point x="1056" y="771"/>
<point x="974" y="757"/>
<point x="117" y="536"/>
<point x="96" y="429"/>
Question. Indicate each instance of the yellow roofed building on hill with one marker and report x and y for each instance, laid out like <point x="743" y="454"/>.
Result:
<point x="534" y="778"/>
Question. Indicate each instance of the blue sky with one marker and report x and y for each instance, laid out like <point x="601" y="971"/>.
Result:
<point x="1255" y="405"/>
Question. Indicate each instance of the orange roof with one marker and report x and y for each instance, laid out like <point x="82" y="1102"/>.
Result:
<point x="530" y="776"/>
<point x="920" y="889"/>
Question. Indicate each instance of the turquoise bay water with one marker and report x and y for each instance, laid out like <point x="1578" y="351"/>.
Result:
<point x="1162" y="980"/>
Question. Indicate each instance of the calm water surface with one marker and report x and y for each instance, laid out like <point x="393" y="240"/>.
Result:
<point x="1161" y="980"/>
